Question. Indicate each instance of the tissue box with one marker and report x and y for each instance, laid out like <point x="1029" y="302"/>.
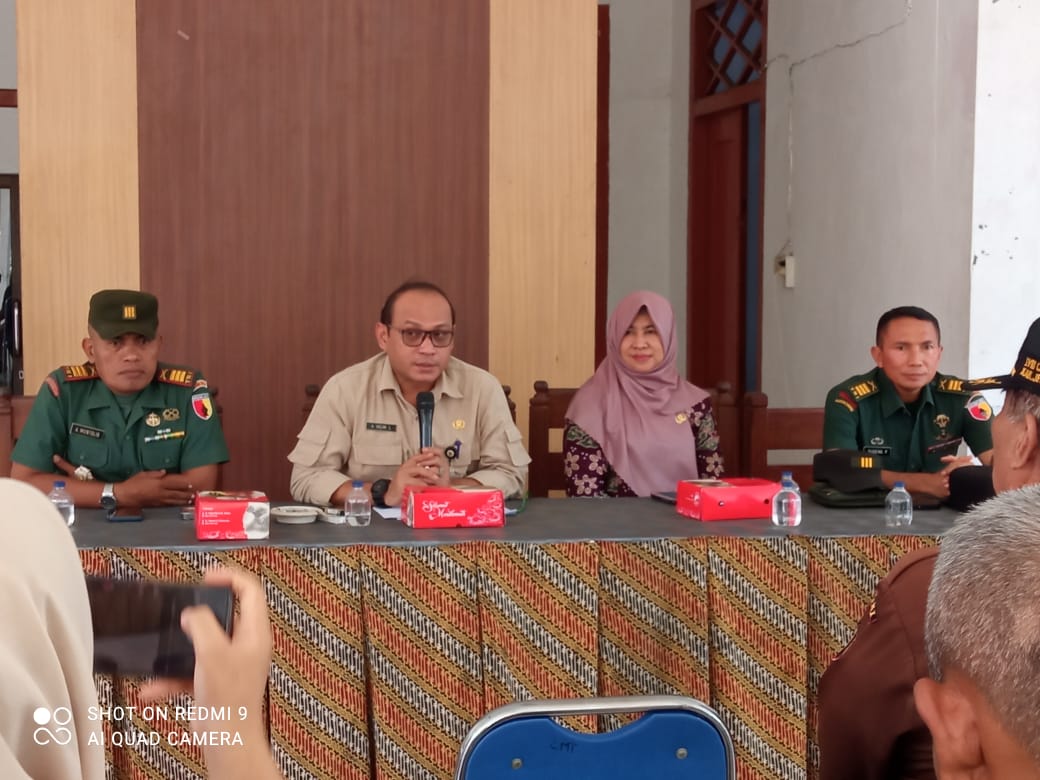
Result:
<point x="737" y="498"/>
<point x="242" y="514"/>
<point x="440" y="507"/>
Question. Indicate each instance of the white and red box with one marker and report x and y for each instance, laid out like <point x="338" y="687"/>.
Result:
<point x="736" y="498"/>
<point x="243" y="514"/>
<point x="443" y="507"/>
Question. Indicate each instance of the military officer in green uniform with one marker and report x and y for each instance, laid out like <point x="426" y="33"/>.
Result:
<point x="907" y="413"/>
<point x="125" y="429"/>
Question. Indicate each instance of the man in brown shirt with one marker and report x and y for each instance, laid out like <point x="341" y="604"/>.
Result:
<point x="364" y="424"/>
<point x="868" y="724"/>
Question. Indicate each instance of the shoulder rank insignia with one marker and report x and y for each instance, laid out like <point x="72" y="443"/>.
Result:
<point x="182" y="377"/>
<point x="844" y="399"/>
<point x="952" y="384"/>
<point x="861" y="390"/>
<point x="79" y="373"/>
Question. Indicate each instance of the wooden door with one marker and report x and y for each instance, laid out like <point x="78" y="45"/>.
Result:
<point x="724" y="265"/>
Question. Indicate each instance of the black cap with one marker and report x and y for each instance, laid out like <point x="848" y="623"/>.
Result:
<point x="849" y="471"/>
<point x="115" y="312"/>
<point x="1026" y="373"/>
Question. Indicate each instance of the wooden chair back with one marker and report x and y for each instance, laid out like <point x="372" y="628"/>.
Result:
<point x="14" y="411"/>
<point x="547" y="420"/>
<point x="789" y="430"/>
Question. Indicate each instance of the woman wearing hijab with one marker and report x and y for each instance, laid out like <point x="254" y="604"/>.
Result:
<point x="637" y="427"/>
<point x="47" y="650"/>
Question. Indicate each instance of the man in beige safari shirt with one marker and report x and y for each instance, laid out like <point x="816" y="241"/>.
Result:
<point x="365" y="426"/>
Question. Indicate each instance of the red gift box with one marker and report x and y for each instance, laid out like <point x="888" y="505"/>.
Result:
<point x="738" y="498"/>
<point x="441" y="507"/>
<point x="244" y="514"/>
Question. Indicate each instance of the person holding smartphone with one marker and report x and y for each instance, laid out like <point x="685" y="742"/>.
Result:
<point x="46" y="655"/>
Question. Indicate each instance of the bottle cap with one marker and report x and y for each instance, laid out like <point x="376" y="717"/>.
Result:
<point x="358" y="483"/>
<point x="900" y="485"/>
<point x="59" y="483"/>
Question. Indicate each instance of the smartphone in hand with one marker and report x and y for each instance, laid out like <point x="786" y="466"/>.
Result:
<point x="137" y="625"/>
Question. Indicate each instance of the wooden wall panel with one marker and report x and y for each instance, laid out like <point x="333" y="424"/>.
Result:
<point x="77" y="128"/>
<point x="298" y="161"/>
<point x="542" y="198"/>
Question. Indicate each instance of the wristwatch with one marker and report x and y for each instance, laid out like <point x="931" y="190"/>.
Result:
<point x="379" y="488"/>
<point x="108" y="497"/>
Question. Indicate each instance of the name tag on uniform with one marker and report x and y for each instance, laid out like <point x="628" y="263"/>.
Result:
<point x="86" y="430"/>
<point x="372" y="426"/>
<point x="882" y="451"/>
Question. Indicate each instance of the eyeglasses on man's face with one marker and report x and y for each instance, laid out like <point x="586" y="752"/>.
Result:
<point x="413" y="337"/>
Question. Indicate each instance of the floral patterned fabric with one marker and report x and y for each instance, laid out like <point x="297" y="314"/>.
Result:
<point x="589" y="473"/>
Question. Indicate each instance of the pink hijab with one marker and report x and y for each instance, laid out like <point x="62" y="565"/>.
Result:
<point x="633" y="416"/>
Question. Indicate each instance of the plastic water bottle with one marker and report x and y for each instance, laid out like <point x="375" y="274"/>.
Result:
<point x="359" y="508"/>
<point x="899" y="507"/>
<point x="62" y="501"/>
<point x="787" y="503"/>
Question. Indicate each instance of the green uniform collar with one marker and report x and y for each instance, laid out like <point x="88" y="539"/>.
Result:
<point x="890" y="400"/>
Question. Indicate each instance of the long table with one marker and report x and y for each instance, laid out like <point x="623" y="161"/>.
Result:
<point x="389" y="642"/>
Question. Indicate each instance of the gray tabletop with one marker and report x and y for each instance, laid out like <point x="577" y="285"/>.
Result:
<point x="544" y="520"/>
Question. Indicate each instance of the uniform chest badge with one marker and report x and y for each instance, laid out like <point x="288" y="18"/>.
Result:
<point x="171" y="414"/>
<point x="152" y="420"/>
<point x="680" y="418"/>
<point x="942" y="422"/>
<point x="458" y="425"/>
<point x="877" y="441"/>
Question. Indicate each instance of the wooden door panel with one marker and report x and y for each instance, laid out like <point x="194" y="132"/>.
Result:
<point x="297" y="162"/>
<point x="715" y="287"/>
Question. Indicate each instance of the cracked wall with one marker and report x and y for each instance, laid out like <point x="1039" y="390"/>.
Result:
<point x="868" y="182"/>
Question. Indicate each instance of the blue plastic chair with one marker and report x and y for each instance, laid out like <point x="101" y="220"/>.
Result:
<point x="678" y="737"/>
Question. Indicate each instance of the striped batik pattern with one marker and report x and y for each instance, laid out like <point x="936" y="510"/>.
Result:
<point x="385" y="656"/>
<point x="317" y="691"/>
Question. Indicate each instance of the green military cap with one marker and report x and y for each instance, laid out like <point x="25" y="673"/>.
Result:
<point x="115" y="312"/>
<point x="849" y="471"/>
<point x="1026" y="372"/>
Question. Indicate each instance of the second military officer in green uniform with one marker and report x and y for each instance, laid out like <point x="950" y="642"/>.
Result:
<point x="905" y="412"/>
<point x="125" y="429"/>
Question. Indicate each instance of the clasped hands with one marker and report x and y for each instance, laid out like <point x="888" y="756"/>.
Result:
<point x="428" y="467"/>
<point x="145" y="488"/>
<point x="938" y="483"/>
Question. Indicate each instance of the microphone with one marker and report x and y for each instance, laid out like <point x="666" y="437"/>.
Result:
<point x="424" y="403"/>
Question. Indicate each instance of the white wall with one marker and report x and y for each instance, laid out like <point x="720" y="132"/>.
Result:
<point x="8" y="80"/>
<point x="649" y="108"/>
<point x="1005" y="272"/>
<point x="869" y="128"/>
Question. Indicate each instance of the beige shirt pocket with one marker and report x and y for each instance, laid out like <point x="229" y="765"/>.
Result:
<point x="309" y="446"/>
<point x="468" y="459"/>
<point x="515" y="445"/>
<point x="375" y="460"/>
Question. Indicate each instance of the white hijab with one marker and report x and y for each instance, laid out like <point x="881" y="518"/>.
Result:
<point x="46" y="646"/>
